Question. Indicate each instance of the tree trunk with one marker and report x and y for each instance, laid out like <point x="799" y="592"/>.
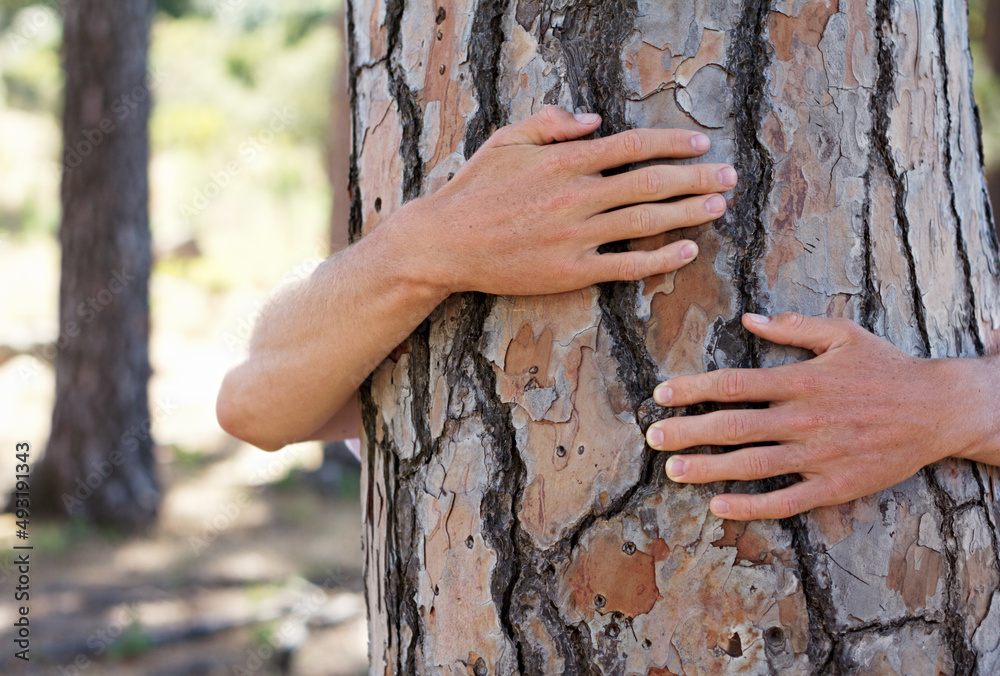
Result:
<point x="338" y="142"/>
<point x="99" y="461"/>
<point x="515" y="520"/>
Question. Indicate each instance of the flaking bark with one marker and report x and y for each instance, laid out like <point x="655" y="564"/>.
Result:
<point x="515" y="520"/>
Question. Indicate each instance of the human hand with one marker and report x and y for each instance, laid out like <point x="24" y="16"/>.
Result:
<point x="526" y="215"/>
<point x="858" y="418"/>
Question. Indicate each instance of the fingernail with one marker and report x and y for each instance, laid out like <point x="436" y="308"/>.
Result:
<point x="587" y="118"/>
<point x="715" y="204"/>
<point x="727" y="176"/>
<point x="676" y="468"/>
<point x="689" y="251"/>
<point x="654" y="437"/>
<point x="758" y="319"/>
<point x="662" y="395"/>
<point x="700" y="142"/>
<point x="720" y="506"/>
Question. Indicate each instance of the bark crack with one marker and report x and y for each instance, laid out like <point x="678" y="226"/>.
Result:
<point x="749" y="56"/>
<point x="962" y="653"/>
<point x="969" y="306"/>
<point x="871" y="302"/>
<point x="355" y="222"/>
<point x="410" y="112"/>
<point x="839" y="660"/>
<point x="484" y="61"/>
<point x="879" y="105"/>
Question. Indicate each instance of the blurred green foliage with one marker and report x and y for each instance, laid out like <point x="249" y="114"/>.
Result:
<point x="985" y="83"/>
<point x="242" y="100"/>
<point x="133" y="642"/>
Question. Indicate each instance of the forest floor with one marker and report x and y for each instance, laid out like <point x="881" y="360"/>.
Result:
<point x="250" y="551"/>
<point x="233" y="576"/>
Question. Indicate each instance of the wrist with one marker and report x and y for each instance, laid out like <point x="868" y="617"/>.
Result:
<point x="402" y="248"/>
<point x="972" y="385"/>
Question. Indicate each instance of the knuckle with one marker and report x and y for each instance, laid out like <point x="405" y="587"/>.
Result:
<point x="813" y="421"/>
<point x="731" y="384"/>
<point x="849" y="327"/>
<point x="788" y="505"/>
<point x="839" y="486"/>
<point x="575" y="231"/>
<point x="499" y="137"/>
<point x="757" y="465"/>
<point x="560" y="161"/>
<point x="735" y="427"/>
<point x="695" y="211"/>
<point x="706" y="180"/>
<point x="549" y="114"/>
<point x="809" y="384"/>
<point x="793" y="319"/>
<point x="633" y="143"/>
<point x="630" y="268"/>
<point x="650" y="182"/>
<point x="560" y="201"/>
<point x="679" y="140"/>
<point x="641" y="221"/>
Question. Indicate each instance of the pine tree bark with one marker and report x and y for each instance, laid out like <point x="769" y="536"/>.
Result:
<point x="99" y="460"/>
<point x="515" y="522"/>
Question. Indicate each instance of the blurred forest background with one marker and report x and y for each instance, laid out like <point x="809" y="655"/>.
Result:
<point x="253" y="563"/>
<point x="250" y="550"/>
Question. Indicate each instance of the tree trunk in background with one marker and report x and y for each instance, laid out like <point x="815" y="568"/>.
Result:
<point x="515" y="521"/>
<point x="99" y="462"/>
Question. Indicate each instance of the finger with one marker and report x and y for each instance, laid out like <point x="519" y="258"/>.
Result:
<point x="663" y="181"/>
<point x="725" y="386"/>
<point x="640" y="145"/>
<point x="818" y="334"/>
<point x="635" y="265"/>
<point x="745" y="464"/>
<point x="779" y="504"/>
<point x="644" y="220"/>
<point x="548" y="125"/>
<point x="718" y="428"/>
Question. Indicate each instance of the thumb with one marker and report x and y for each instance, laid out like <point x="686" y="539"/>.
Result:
<point x="548" y="125"/>
<point x="819" y="334"/>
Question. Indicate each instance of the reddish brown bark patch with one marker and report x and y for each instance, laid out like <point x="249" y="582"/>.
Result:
<point x="750" y="545"/>
<point x="605" y="578"/>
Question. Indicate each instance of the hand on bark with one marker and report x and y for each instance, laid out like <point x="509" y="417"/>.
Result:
<point x="858" y="418"/>
<point x="526" y="214"/>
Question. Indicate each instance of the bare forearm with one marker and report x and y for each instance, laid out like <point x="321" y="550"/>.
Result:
<point x="526" y="215"/>
<point x="316" y="342"/>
